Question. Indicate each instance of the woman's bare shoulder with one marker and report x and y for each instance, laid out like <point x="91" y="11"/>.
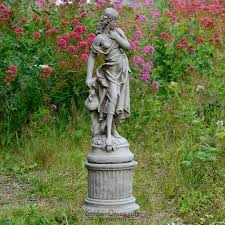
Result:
<point x="97" y="40"/>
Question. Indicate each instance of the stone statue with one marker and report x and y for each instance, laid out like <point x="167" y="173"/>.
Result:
<point x="110" y="163"/>
<point x="109" y="99"/>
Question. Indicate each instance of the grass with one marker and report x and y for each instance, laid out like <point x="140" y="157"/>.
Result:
<point x="179" y="178"/>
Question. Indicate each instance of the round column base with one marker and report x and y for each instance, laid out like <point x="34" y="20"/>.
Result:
<point x="121" y="206"/>
<point x="110" y="188"/>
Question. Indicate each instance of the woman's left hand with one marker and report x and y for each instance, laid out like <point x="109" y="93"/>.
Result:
<point x="114" y="34"/>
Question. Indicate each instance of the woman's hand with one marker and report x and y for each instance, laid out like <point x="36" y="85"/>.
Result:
<point x="120" y="38"/>
<point x="114" y="34"/>
<point x="89" y="82"/>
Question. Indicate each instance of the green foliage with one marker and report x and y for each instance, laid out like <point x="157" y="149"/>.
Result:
<point x="172" y="63"/>
<point x="23" y="97"/>
<point x="32" y="216"/>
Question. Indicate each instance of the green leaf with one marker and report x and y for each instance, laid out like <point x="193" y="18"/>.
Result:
<point x="220" y="135"/>
<point x="222" y="172"/>
<point x="186" y="163"/>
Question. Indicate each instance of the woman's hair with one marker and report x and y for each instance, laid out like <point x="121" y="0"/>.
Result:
<point x="105" y="20"/>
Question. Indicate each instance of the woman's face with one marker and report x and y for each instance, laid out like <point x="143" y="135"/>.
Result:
<point x="113" y="23"/>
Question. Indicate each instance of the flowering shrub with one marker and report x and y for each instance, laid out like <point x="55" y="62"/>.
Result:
<point x="189" y="40"/>
<point x="44" y="52"/>
<point x="43" y="59"/>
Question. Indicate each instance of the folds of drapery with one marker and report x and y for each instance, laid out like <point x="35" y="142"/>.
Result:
<point x="114" y="73"/>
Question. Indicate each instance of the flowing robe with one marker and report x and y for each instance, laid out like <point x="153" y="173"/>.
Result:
<point x="113" y="82"/>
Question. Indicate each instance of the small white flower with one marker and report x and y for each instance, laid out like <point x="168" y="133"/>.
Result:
<point x="43" y="66"/>
<point x="60" y="2"/>
<point x="200" y="88"/>
<point x="219" y="124"/>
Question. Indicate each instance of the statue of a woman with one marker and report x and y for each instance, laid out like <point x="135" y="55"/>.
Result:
<point x="109" y="98"/>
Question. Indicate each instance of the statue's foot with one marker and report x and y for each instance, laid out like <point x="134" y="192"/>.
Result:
<point x="108" y="143"/>
<point x="115" y="133"/>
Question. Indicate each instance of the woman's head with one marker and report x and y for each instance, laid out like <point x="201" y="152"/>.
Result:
<point x="108" y="19"/>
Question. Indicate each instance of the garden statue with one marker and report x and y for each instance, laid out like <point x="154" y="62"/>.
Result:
<point x="110" y="163"/>
<point x="110" y="94"/>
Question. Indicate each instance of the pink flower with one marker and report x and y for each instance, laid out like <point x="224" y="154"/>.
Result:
<point x="199" y="40"/>
<point x="141" y="18"/>
<point x="37" y="34"/>
<point x="148" y="66"/>
<point x="5" y="13"/>
<point x="182" y="44"/>
<point x="53" y="107"/>
<point x="8" y="71"/>
<point x="19" y="30"/>
<point x="92" y="35"/>
<point x="91" y="38"/>
<point x="118" y="4"/>
<point x="54" y="31"/>
<point x="64" y="23"/>
<point x="137" y="60"/>
<point x="101" y="2"/>
<point x="10" y="78"/>
<point x="46" y="17"/>
<point x="216" y="39"/>
<point x="155" y="13"/>
<point x="83" y="14"/>
<point x="80" y="28"/>
<point x="35" y="17"/>
<point x="75" y="35"/>
<point x="40" y="3"/>
<point x="145" y="76"/>
<point x="171" y="15"/>
<point x="83" y="44"/>
<point x="190" y="49"/>
<point x="134" y="45"/>
<point x="148" y="2"/>
<point x="75" y="22"/>
<point x="84" y="57"/>
<point x="47" y="70"/>
<point x="164" y="35"/>
<point x="48" y="25"/>
<point x="155" y="86"/>
<point x="206" y="21"/>
<point x="62" y="41"/>
<point x="138" y="35"/>
<point x="11" y="70"/>
<point x="66" y="36"/>
<point x="72" y="48"/>
<point x="191" y="69"/>
<point x="148" y="49"/>
<point x="133" y="4"/>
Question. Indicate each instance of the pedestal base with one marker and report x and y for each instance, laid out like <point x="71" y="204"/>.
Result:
<point x="110" y="188"/>
<point x="122" y="206"/>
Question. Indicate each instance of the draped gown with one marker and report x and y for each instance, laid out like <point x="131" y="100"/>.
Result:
<point x="113" y="82"/>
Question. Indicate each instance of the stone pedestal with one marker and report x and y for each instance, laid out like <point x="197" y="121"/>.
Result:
<point x="110" y="176"/>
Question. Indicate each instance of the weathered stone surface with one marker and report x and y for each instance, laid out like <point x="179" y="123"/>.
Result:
<point x="120" y="153"/>
<point x="110" y="188"/>
<point x="110" y="163"/>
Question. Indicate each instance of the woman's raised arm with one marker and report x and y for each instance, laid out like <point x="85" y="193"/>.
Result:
<point x="120" y="38"/>
<point x="91" y="63"/>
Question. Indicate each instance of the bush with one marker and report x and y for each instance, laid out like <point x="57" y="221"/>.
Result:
<point x="44" y="49"/>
